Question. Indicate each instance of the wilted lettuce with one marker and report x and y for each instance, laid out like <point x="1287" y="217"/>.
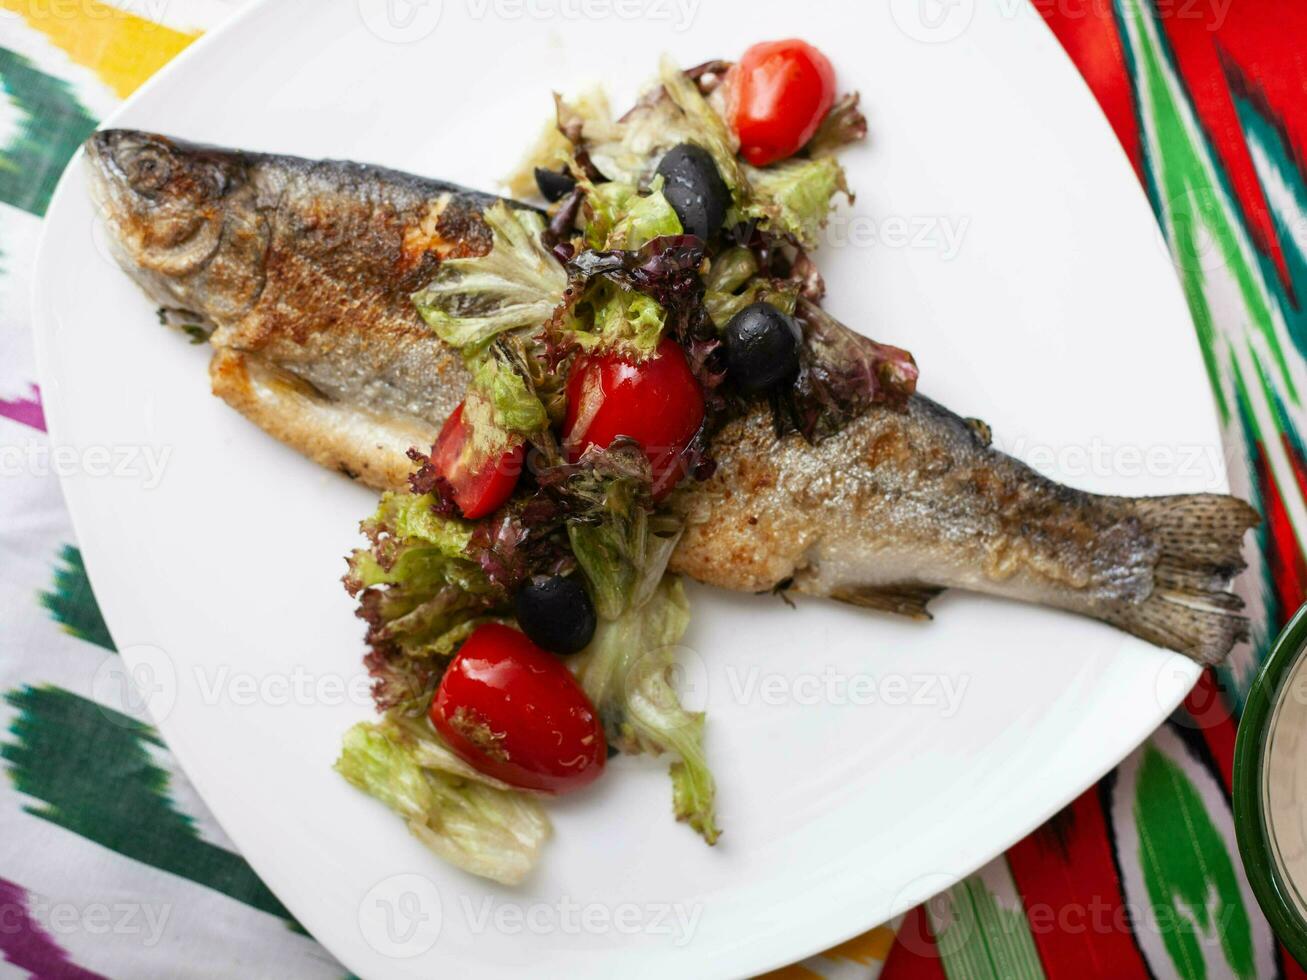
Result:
<point x="469" y="820"/>
<point x="732" y="284"/>
<point x="620" y="543"/>
<point x="516" y="284"/>
<point x="793" y="197"/>
<point x="623" y="218"/>
<point x="627" y="673"/>
<point x="419" y="592"/>
<point x="514" y="406"/>
<point x="625" y="321"/>
<point x="703" y="127"/>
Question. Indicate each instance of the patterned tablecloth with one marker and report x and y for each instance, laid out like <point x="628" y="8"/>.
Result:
<point x="111" y="866"/>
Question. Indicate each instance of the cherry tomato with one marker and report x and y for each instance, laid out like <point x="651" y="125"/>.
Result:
<point x="516" y="713"/>
<point x="781" y="91"/>
<point x="481" y="482"/>
<point x="656" y="402"/>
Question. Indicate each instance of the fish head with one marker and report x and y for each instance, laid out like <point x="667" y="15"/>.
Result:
<point x="171" y="210"/>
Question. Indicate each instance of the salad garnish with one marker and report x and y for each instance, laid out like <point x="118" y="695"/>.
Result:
<point x="521" y="621"/>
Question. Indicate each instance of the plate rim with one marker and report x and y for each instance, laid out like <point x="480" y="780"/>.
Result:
<point x="1088" y="114"/>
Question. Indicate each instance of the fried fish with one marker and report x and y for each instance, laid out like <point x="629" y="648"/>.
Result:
<point x="302" y="272"/>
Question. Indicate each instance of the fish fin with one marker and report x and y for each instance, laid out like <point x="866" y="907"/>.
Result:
<point x="981" y="431"/>
<point x="364" y="445"/>
<point x="905" y="598"/>
<point x="1190" y="608"/>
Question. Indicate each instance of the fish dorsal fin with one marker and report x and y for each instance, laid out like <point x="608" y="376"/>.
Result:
<point x="904" y="598"/>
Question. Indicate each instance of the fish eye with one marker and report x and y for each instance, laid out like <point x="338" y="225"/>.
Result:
<point x="147" y="170"/>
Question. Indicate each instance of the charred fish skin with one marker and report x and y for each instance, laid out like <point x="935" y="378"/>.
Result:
<point x="305" y="269"/>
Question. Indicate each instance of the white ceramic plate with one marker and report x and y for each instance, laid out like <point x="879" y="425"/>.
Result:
<point x="999" y="233"/>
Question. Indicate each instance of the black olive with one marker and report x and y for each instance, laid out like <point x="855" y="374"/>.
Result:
<point x="556" y="613"/>
<point x="554" y="185"/>
<point x="694" y="189"/>
<point x="762" y="347"/>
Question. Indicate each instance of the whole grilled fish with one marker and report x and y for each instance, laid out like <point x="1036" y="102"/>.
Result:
<point x="303" y="272"/>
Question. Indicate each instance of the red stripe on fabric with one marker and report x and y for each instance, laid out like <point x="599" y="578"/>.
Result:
<point x="1265" y="40"/>
<point x="1067" y="879"/>
<point x="1088" y="33"/>
<point x="1194" y="38"/>
<point x="914" y="955"/>
<point x="1209" y="709"/>
<point x="1287" y="566"/>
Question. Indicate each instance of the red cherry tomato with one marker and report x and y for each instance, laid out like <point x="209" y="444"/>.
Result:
<point x="657" y="402"/>
<point x="480" y="482"/>
<point x="781" y="91"/>
<point x="514" y="712"/>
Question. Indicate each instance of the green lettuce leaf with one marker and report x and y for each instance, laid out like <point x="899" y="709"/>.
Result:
<point x="513" y="404"/>
<point x="622" y="218"/>
<point x="483" y="828"/>
<point x="420" y="594"/>
<point x="627" y="322"/>
<point x="704" y="127"/>
<point x="621" y="544"/>
<point x="793" y="197"/>
<point x="627" y="673"/>
<point x="516" y="284"/>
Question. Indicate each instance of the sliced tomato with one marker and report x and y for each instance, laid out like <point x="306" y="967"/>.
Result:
<point x="779" y="93"/>
<point x="481" y="480"/>
<point x="514" y="712"/>
<point x="657" y="402"/>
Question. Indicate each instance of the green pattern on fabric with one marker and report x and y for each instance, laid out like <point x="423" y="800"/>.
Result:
<point x="1197" y="207"/>
<point x="1271" y="153"/>
<point x="71" y="600"/>
<point x="979" y="939"/>
<point x="1193" y="208"/>
<point x="1188" y="871"/>
<point x="52" y="127"/>
<point x="90" y="769"/>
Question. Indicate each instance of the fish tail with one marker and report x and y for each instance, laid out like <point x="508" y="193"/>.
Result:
<point x="1191" y="608"/>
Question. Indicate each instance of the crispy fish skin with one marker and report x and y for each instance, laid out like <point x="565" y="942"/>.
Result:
<point x="304" y="270"/>
<point x="900" y="505"/>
